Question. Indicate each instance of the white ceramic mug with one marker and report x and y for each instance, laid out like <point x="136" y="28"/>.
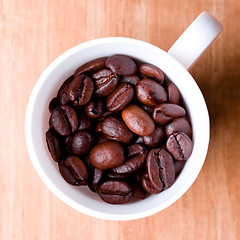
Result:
<point x="175" y="63"/>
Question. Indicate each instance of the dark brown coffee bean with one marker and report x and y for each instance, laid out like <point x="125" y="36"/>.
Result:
<point x="91" y="66"/>
<point x="138" y="120"/>
<point x="147" y="185"/>
<point x="65" y="83"/>
<point x="115" y="192"/>
<point x="173" y="93"/>
<point x="64" y="120"/>
<point x="54" y="145"/>
<point x="105" y="82"/>
<point x="180" y="146"/>
<point x="160" y="168"/>
<point x="102" y="138"/>
<point x="80" y="90"/>
<point x="166" y="112"/>
<point x="137" y="190"/>
<point x="120" y="97"/>
<point x="179" y="167"/>
<point x="114" y="175"/>
<point x="115" y="129"/>
<point x="136" y="156"/>
<point x="146" y="108"/>
<point x="150" y="92"/>
<point x="107" y="155"/>
<point x="156" y="138"/>
<point x="138" y="140"/>
<point x="85" y="123"/>
<point x="94" y="108"/>
<point x="95" y="178"/>
<point x="121" y="65"/>
<point x="74" y="171"/>
<point x="54" y="103"/>
<point x="152" y="71"/>
<point x="81" y="142"/>
<point x="178" y="125"/>
<point x="133" y="79"/>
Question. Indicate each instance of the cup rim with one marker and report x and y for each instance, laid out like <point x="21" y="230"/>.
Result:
<point x="52" y="187"/>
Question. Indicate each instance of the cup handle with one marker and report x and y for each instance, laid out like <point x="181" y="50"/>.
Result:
<point x="195" y="39"/>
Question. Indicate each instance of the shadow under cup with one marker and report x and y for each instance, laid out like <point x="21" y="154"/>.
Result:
<point x="37" y="117"/>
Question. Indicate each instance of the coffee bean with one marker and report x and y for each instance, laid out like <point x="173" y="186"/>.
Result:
<point x="80" y="90"/>
<point x="173" y="93"/>
<point x="121" y="65"/>
<point x="147" y="185"/>
<point x="160" y="169"/>
<point x="146" y="108"/>
<point x="155" y="139"/>
<point x="136" y="156"/>
<point x="178" y="125"/>
<point x="107" y="155"/>
<point x="180" y="146"/>
<point x="166" y="112"/>
<point x="94" y="108"/>
<point x="81" y="142"/>
<point x="133" y="79"/>
<point x="54" y="145"/>
<point x="179" y="167"/>
<point x="95" y="179"/>
<point x="120" y="97"/>
<point x="64" y="120"/>
<point x="74" y="171"/>
<point x="138" y="139"/>
<point x="105" y="82"/>
<point x="114" y="175"/>
<point x="138" y="120"/>
<point x="91" y="66"/>
<point x="102" y="138"/>
<point x="65" y="83"/>
<point x="115" y="192"/>
<point x="137" y="190"/>
<point x="85" y="123"/>
<point x="150" y="93"/>
<point x="115" y="129"/>
<point x="54" y="103"/>
<point x="152" y="71"/>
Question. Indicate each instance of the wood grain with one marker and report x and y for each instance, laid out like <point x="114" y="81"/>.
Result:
<point x="34" y="33"/>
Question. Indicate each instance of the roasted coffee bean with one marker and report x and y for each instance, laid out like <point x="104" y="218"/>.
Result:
<point x="105" y="82"/>
<point x="147" y="185"/>
<point x="64" y="120"/>
<point x="138" y="139"/>
<point x="178" y="125"/>
<point x="136" y="156"/>
<point x="81" y="142"/>
<point x="113" y="175"/>
<point x="160" y="168"/>
<point x="95" y="179"/>
<point x="80" y="90"/>
<point x="150" y="93"/>
<point x="54" y="145"/>
<point x="115" y="192"/>
<point x="146" y="108"/>
<point x="173" y="93"/>
<point x="121" y="65"/>
<point x="107" y="155"/>
<point x="94" y="108"/>
<point x="73" y="171"/>
<point x="115" y="129"/>
<point x="166" y="112"/>
<point x="120" y="97"/>
<point x="152" y="71"/>
<point x="180" y="146"/>
<point x="137" y="190"/>
<point x="102" y="138"/>
<point x="85" y="123"/>
<point x="91" y="66"/>
<point x="156" y="138"/>
<point x="138" y="120"/>
<point x="179" y="167"/>
<point x="65" y="83"/>
<point x="133" y="79"/>
<point x="54" y="103"/>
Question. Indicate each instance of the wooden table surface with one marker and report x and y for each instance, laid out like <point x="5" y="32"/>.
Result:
<point x="34" y="33"/>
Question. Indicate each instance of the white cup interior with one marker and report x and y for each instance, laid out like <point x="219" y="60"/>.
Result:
<point x="37" y="116"/>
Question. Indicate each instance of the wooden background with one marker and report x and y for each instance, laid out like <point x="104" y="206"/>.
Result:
<point x="34" y="33"/>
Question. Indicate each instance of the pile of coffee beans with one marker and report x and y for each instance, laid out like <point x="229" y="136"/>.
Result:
<point x="118" y="126"/>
